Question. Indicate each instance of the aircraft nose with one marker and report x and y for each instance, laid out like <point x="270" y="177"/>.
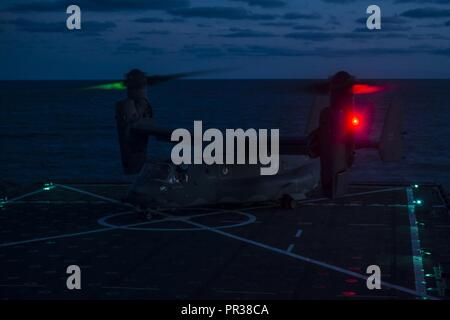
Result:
<point x="149" y="195"/>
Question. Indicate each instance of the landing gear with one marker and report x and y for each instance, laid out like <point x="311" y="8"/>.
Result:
<point x="144" y="213"/>
<point x="287" y="202"/>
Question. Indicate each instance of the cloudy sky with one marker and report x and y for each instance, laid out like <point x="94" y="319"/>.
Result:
<point x="254" y="38"/>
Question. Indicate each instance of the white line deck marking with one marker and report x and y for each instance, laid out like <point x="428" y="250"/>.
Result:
<point x="75" y="234"/>
<point x="299" y="233"/>
<point x="94" y="195"/>
<point x="306" y="259"/>
<point x="290" y="248"/>
<point x="352" y="194"/>
<point x="24" y="196"/>
<point x="415" y="245"/>
<point x="419" y="293"/>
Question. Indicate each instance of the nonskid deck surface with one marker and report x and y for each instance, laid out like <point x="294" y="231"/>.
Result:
<point x="320" y="250"/>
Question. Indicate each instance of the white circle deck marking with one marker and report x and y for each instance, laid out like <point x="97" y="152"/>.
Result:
<point x="249" y="220"/>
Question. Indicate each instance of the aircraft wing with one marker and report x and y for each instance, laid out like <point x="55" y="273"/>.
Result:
<point x="149" y="127"/>
<point x="294" y="145"/>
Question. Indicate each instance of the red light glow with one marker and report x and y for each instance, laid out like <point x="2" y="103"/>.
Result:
<point x="348" y="294"/>
<point x="355" y="121"/>
<point x="365" y="89"/>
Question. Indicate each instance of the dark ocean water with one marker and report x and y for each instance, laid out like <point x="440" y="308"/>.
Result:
<point x="52" y="130"/>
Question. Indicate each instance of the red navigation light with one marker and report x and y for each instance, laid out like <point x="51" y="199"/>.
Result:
<point x="365" y="89"/>
<point x="355" y="121"/>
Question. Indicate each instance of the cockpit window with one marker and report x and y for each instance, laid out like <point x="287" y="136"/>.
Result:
<point x="160" y="171"/>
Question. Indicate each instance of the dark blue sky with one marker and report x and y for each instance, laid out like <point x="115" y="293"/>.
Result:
<point x="257" y="38"/>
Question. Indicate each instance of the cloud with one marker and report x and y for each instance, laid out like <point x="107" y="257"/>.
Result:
<point x="428" y="36"/>
<point x="385" y="28"/>
<point x="307" y="27"/>
<point x="386" y="20"/>
<point x="278" y="24"/>
<point x="88" y="28"/>
<point x="100" y="5"/>
<point x="155" y="32"/>
<point x="134" y="39"/>
<point x="246" y="33"/>
<point x="203" y="51"/>
<point x="149" y="20"/>
<point x="392" y="23"/>
<point x="297" y="16"/>
<point x="339" y="1"/>
<point x="230" y="13"/>
<point x="203" y="25"/>
<point x="444" y="52"/>
<point x="423" y="13"/>
<point x="325" y="52"/>
<point x="357" y="34"/>
<point x="364" y="33"/>
<point x="423" y="1"/>
<point x="157" y="20"/>
<point x="312" y="36"/>
<point x="252" y="50"/>
<point x="264" y="3"/>
<point x="133" y="47"/>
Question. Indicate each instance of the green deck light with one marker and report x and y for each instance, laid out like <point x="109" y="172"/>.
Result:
<point x="48" y="186"/>
<point x="418" y="202"/>
<point x="429" y="275"/>
<point x="415" y="186"/>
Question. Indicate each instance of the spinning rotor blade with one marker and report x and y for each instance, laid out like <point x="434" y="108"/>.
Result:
<point x="323" y="88"/>
<point x="152" y="80"/>
<point x="157" y="79"/>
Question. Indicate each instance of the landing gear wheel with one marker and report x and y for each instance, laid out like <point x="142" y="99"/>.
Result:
<point x="287" y="202"/>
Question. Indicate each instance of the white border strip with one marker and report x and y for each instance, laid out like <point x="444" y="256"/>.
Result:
<point x="415" y="245"/>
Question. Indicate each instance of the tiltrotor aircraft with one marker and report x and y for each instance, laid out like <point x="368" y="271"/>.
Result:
<point x="317" y="161"/>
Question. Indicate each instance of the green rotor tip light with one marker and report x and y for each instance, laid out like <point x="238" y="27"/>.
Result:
<point x="109" y="86"/>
